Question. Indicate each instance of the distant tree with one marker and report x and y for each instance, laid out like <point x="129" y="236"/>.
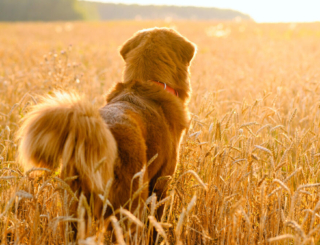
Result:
<point x="111" y="11"/>
<point x="39" y="10"/>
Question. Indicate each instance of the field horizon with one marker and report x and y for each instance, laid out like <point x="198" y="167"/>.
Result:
<point x="249" y="166"/>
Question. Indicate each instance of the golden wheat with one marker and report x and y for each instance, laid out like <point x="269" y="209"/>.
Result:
<point x="249" y="167"/>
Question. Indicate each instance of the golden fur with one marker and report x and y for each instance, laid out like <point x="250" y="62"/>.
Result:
<point x="48" y="137"/>
<point x="140" y="120"/>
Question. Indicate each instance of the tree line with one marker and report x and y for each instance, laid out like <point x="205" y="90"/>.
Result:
<point x="40" y="10"/>
<point x="55" y="10"/>
<point x="110" y="11"/>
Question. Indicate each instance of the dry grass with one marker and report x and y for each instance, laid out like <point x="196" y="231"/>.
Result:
<point x="249" y="164"/>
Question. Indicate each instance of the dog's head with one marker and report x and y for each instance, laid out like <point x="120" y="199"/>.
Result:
<point x="159" y="54"/>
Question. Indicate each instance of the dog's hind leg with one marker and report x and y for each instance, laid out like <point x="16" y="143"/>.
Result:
<point x="159" y="185"/>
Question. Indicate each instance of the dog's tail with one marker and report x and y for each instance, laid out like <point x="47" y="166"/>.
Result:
<point x="65" y="129"/>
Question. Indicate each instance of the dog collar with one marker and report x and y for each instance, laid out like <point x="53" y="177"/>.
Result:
<point x="166" y="87"/>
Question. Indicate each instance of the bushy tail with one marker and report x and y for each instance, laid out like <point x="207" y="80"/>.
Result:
<point x="65" y="129"/>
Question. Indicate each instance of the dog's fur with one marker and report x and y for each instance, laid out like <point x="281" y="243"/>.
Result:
<point x="140" y="120"/>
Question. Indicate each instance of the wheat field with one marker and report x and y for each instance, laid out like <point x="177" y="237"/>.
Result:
<point x="249" y="167"/>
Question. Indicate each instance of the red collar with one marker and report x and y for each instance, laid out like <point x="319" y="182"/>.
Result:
<point x="167" y="87"/>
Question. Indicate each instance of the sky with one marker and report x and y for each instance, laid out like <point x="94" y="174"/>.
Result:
<point x="259" y="10"/>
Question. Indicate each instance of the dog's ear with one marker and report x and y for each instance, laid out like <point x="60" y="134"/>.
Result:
<point x="189" y="51"/>
<point x="184" y="49"/>
<point x="131" y="44"/>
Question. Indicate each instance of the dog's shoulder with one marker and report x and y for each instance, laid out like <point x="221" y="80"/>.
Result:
<point x="150" y="101"/>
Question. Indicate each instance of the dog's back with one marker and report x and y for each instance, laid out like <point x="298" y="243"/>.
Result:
<point x="145" y="120"/>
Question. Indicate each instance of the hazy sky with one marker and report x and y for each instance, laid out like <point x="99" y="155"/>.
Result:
<point x="259" y="10"/>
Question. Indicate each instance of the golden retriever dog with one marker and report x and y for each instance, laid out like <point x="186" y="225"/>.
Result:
<point x="145" y="114"/>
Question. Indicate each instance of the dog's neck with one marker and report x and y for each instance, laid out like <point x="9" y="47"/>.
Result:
<point x="166" y="87"/>
<point x="177" y="80"/>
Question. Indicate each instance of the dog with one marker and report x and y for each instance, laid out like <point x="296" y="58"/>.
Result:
<point x="145" y="115"/>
